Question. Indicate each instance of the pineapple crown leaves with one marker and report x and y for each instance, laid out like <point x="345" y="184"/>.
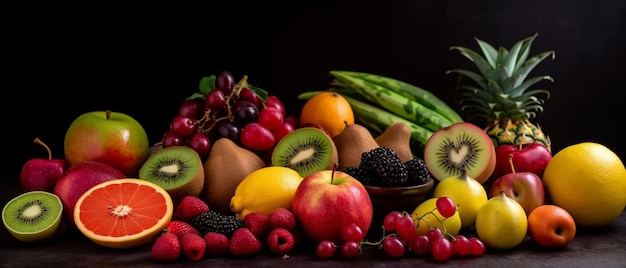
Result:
<point x="502" y="86"/>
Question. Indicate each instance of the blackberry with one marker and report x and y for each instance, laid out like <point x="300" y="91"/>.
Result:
<point x="417" y="172"/>
<point x="212" y="221"/>
<point x="382" y="167"/>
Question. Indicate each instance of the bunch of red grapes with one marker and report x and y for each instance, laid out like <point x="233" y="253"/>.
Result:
<point x="224" y="109"/>
<point x="402" y="238"/>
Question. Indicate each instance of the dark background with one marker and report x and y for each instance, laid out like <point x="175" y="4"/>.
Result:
<point x="60" y="62"/>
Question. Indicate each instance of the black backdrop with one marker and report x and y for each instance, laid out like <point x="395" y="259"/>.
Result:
<point x="60" y="62"/>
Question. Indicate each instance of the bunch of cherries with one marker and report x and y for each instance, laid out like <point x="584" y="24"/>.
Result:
<point x="401" y="238"/>
<point x="245" y="114"/>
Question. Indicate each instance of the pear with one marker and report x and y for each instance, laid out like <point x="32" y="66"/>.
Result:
<point x="226" y="166"/>
<point x="397" y="137"/>
<point x="351" y="143"/>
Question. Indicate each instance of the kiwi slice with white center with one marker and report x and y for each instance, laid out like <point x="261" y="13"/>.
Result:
<point x="178" y="169"/>
<point x="306" y="150"/>
<point x="33" y="216"/>
<point x="460" y="146"/>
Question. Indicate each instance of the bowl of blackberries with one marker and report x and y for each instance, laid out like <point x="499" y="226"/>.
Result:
<point x="393" y="184"/>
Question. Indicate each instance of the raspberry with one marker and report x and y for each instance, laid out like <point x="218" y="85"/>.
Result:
<point x="244" y="243"/>
<point x="216" y="244"/>
<point x="282" y="218"/>
<point x="280" y="240"/>
<point x="189" y="207"/>
<point x="193" y="246"/>
<point x="166" y="247"/>
<point x="258" y="223"/>
<point x="179" y="228"/>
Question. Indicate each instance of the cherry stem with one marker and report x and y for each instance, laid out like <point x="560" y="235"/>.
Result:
<point x="38" y="141"/>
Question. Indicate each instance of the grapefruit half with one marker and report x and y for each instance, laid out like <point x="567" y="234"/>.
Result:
<point x="123" y="213"/>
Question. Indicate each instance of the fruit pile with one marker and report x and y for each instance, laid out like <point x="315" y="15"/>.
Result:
<point x="236" y="174"/>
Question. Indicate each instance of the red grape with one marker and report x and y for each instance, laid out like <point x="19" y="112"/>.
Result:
<point x="442" y="249"/>
<point x="404" y="227"/>
<point x="389" y="222"/>
<point x="192" y="108"/>
<point x="280" y="132"/>
<point x="478" y="248"/>
<point x="225" y="81"/>
<point x="292" y="120"/>
<point x="434" y="233"/>
<point x="461" y="245"/>
<point x="172" y="139"/>
<point x="244" y="112"/>
<point x="249" y="95"/>
<point x="225" y="129"/>
<point x="271" y="118"/>
<point x="274" y="101"/>
<point x="183" y="126"/>
<point x="350" y="249"/>
<point x="393" y="247"/>
<point x="215" y="100"/>
<point x="420" y="244"/>
<point x="255" y="136"/>
<point x="325" y="249"/>
<point x="352" y="232"/>
<point x="200" y="143"/>
<point x="445" y="206"/>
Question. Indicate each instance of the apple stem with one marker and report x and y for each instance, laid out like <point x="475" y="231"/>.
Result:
<point x="332" y="175"/>
<point x="108" y="114"/>
<point x="511" y="162"/>
<point x="38" y="141"/>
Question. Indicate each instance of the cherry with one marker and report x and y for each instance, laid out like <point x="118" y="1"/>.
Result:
<point x="183" y="126"/>
<point x="192" y="108"/>
<point x="172" y="139"/>
<point x="215" y="100"/>
<point x="200" y="143"/>
<point x="445" y="206"/>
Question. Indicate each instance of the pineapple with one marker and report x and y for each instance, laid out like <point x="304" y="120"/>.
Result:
<point x="499" y="99"/>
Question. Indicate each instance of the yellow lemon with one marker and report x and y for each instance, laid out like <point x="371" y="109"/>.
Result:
<point x="467" y="193"/>
<point x="264" y="190"/>
<point x="425" y="216"/>
<point x="329" y="110"/>
<point x="589" y="181"/>
<point x="501" y="223"/>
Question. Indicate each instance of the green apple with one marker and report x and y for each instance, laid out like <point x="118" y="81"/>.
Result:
<point x="113" y="138"/>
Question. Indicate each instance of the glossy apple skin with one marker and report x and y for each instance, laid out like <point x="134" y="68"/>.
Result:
<point x="525" y="187"/>
<point x="531" y="157"/>
<point x="78" y="179"/>
<point x="323" y="205"/>
<point x="41" y="174"/>
<point x="551" y="226"/>
<point x="117" y="140"/>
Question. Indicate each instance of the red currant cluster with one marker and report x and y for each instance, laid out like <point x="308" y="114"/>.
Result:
<point x="400" y="237"/>
<point x="238" y="111"/>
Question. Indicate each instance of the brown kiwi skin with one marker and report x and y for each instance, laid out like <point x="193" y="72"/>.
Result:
<point x="397" y="137"/>
<point x="226" y="166"/>
<point x="351" y="143"/>
<point x="193" y="187"/>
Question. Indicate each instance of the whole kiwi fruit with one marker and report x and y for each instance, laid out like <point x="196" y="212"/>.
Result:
<point x="226" y="166"/>
<point x="397" y="137"/>
<point x="178" y="169"/>
<point x="306" y="150"/>
<point x="33" y="216"/>
<point x="352" y="142"/>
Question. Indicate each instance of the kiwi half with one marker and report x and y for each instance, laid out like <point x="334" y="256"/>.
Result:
<point x="33" y="216"/>
<point x="460" y="146"/>
<point x="178" y="169"/>
<point x="306" y="150"/>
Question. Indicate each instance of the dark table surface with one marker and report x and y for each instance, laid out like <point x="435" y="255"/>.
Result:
<point x="599" y="247"/>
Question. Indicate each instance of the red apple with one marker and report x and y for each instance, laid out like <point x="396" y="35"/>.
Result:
<point x="551" y="226"/>
<point x="327" y="200"/>
<point x="78" y="179"/>
<point x="525" y="187"/>
<point x="42" y="173"/>
<point x="108" y="137"/>
<point x="529" y="157"/>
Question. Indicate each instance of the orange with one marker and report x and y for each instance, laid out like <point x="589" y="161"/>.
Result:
<point x="589" y="181"/>
<point x="328" y="110"/>
<point x="123" y="213"/>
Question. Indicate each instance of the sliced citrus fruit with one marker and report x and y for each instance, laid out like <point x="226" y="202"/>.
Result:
<point x="123" y="213"/>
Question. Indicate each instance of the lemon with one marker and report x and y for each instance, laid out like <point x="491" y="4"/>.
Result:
<point x="468" y="194"/>
<point x="265" y="190"/>
<point x="589" y="181"/>
<point x="501" y="223"/>
<point x="425" y="220"/>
